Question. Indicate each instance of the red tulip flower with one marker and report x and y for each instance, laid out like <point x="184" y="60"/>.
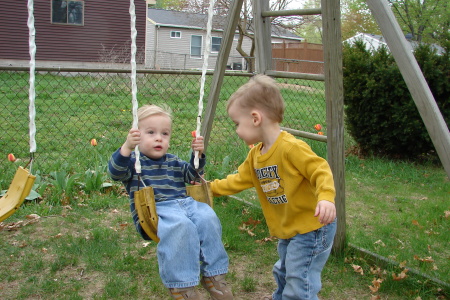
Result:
<point x="11" y="157"/>
<point x="194" y="133"/>
<point x="94" y="142"/>
<point x="318" y="127"/>
<point x="320" y="133"/>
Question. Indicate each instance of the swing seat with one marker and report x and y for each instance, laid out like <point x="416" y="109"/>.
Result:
<point x="144" y="201"/>
<point x="19" y="189"/>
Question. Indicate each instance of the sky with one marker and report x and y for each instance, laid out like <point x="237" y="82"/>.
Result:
<point x="295" y="4"/>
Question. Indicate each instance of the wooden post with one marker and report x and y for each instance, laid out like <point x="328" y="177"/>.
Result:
<point x="219" y="71"/>
<point x="263" y="36"/>
<point x="418" y="87"/>
<point x="334" y="95"/>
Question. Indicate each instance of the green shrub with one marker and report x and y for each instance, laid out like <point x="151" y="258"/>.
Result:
<point x="380" y="113"/>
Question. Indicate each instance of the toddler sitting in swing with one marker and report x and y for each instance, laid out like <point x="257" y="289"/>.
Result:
<point x="190" y="232"/>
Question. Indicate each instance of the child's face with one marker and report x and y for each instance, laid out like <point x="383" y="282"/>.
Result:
<point x="245" y="124"/>
<point x="155" y="135"/>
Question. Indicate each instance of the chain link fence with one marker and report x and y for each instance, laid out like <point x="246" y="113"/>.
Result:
<point x="74" y="106"/>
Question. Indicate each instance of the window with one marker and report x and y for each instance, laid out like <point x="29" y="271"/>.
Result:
<point x="175" y="34"/>
<point x="68" y="12"/>
<point x="215" y="44"/>
<point x="196" y="46"/>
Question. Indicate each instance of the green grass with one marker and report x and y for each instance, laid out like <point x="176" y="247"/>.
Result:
<point x="84" y="246"/>
<point x="90" y="250"/>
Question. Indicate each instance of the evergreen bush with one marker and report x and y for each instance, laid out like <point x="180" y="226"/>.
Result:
<point x="380" y="113"/>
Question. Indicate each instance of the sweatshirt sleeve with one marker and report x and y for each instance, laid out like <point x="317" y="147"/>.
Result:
<point x="234" y="183"/>
<point x="119" y="167"/>
<point x="315" y="169"/>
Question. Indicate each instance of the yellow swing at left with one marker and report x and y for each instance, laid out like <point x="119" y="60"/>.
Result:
<point x="19" y="189"/>
<point x="23" y="180"/>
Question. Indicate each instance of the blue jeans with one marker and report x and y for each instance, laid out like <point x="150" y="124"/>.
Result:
<point x="191" y="243"/>
<point x="302" y="259"/>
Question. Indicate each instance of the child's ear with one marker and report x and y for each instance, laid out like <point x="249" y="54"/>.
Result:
<point x="257" y="117"/>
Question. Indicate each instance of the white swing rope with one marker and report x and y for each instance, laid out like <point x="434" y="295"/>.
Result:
<point x="137" y="165"/>
<point x="32" y="92"/>
<point x="206" y="52"/>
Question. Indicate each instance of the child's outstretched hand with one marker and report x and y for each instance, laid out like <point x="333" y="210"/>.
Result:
<point x="133" y="139"/>
<point x="326" y="211"/>
<point x="198" y="145"/>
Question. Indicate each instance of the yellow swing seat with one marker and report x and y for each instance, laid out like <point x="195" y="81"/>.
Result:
<point x="19" y="189"/>
<point x="144" y="201"/>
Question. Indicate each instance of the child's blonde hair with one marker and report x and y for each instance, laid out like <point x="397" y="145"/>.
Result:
<point x="151" y="109"/>
<point x="260" y="92"/>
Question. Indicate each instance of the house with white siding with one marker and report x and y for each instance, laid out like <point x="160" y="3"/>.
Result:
<point x="176" y="40"/>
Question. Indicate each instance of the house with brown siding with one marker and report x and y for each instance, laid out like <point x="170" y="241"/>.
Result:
<point x="176" y="40"/>
<point x="71" y="33"/>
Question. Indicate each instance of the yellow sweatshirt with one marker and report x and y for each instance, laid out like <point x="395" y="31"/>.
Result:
<point x="290" y="179"/>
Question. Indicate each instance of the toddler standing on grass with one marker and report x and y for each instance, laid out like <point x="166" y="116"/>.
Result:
<point x="190" y="232"/>
<point x="294" y="185"/>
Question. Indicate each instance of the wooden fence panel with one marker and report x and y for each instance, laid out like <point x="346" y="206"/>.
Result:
<point x="298" y="57"/>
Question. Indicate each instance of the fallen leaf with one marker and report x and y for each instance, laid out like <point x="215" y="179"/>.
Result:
<point x="400" y="276"/>
<point x="380" y="242"/>
<point x="244" y="227"/>
<point x="266" y="239"/>
<point x="146" y="244"/>
<point x="358" y="269"/>
<point x="428" y="259"/>
<point x="32" y="217"/>
<point x="14" y="225"/>
<point x="375" y="271"/>
<point x="376" y="283"/>
<point x="250" y="221"/>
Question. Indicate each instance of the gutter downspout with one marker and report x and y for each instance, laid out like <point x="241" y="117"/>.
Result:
<point x="156" y="45"/>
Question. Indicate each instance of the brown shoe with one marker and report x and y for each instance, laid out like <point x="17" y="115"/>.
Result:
<point x="217" y="287"/>
<point x="185" y="293"/>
